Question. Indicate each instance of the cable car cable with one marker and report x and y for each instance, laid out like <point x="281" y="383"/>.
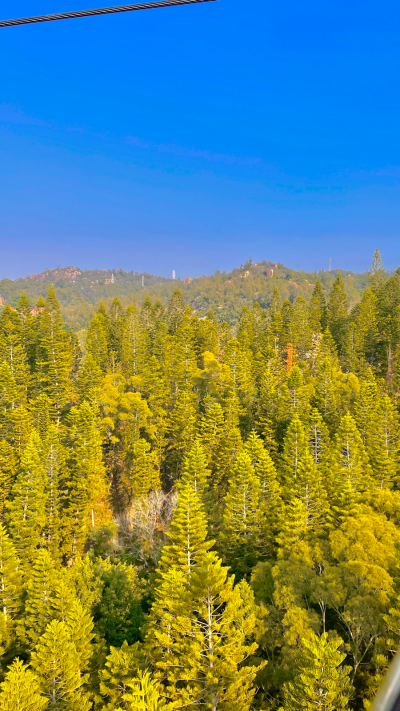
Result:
<point x="99" y="11"/>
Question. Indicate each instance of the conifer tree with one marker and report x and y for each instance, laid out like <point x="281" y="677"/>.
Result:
<point x="294" y="449"/>
<point x="145" y="694"/>
<point x="298" y="395"/>
<point x="194" y="470"/>
<point x="144" y="472"/>
<point x="121" y="667"/>
<point x="376" y="273"/>
<point x="8" y="472"/>
<point x="20" y="690"/>
<point x="97" y="340"/>
<point x="54" y="356"/>
<point x="57" y="667"/>
<point x="350" y="466"/>
<point x="270" y="489"/>
<point x="198" y="635"/>
<point x="87" y="502"/>
<point x="26" y="515"/>
<point x="338" y="315"/>
<point x="320" y="681"/>
<point x="89" y="381"/>
<point x="318" y="437"/>
<point x="317" y="309"/>
<point x="40" y="592"/>
<point x="175" y="311"/>
<point x="10" y="583"/>
<point x="212" y="430"/>
<point x="243" y="525"/>
<point x="187" y="533"/>
<point x="134" y="344"/>
<point x="12" y="351"/>
<point x="116" y="321"/>
<point x="54" y="460"/>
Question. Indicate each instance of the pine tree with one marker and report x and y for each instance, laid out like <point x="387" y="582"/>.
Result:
<point x="12" y="351"/>
<point x="20" y="690"/>
<point x="377" y="273"/>
<point x="10" y="585"/>
<point x="294" y="449"/>
<point x="187" y="533"/>
<point x="338" y="315"/>
<point x="264" y="469"/>
<point x="54" y="357"/>
<point x="317" y="309"/>
<point x="40" y="592"/>
<point x="26" y="515"/>
<point x="320" y="681"/>
<point x="116" y="322"/>
<point x="243" y="525"/>
<point x="350" y="464"/>
<point x="57" y="667"/>
<point x="54" y="460"/>
<point x="194" y="470"/>
<point x="198" y="635"/>
<point x="297" y="395"/>
<point x="145" y="694"/>
<point x="318" y="437"/>
<point x="212" y="430"/>
<point x="8" y="472"/>
<point x="121" y="667"/>
<point x="97" y="340"/>
<point x="134" y="344"/>
<point x="175" y="311"/>
<point x="144" y="471"/>
<point x="87" y="502"/>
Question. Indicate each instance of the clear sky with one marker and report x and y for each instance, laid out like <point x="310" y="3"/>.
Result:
<point x="192" y="138"/>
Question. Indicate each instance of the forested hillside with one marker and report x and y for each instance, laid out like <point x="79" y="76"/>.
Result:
<point x="80" y="292"/>
<point x="199" y="517"/>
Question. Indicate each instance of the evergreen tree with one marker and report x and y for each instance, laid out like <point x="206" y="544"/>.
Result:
<point x="175" y="311"/>
<point x="97" y="340"/>
<point x="320" y="682"/>
<point x="20" y="690"/>
<point x="26" y="515"/>
<point x="317" y="309"/>
<point x="40" y="592"/>
<point x="350" y="464"/>
<point x="243" y="525"/>
<point x="57" y="667"/>
<point x="294" y="449"/>
<point x="194" y="470"/>
<point x="10" y="584"/>
<point x="338" y="315"/>
<point x="54" y="356"/>
<point x="8" y="472"/>
<point x="121" y="667"/>
<point x="145" y="694"/>
<point x="377" y="273"/>
<point x="187" y="533"/>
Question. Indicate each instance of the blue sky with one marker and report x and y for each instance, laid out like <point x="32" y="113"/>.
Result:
<point x="192" y="138"/>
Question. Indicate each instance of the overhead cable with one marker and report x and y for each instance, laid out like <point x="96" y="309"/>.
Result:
<point x="98" y="11"/>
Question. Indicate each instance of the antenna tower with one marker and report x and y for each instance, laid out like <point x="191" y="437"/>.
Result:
<point x="330" y="264"/>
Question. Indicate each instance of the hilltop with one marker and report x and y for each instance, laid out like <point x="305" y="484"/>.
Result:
<point x="79" y="291"/>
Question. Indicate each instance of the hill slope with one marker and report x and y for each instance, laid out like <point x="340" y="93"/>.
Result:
<point x="79" y="291"/>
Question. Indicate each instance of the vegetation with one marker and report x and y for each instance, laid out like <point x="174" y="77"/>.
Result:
<point x="80" y="292"/>
<point x="196" y="516"/>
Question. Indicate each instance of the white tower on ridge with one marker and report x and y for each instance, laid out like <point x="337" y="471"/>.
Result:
<point x="173" y="274"/>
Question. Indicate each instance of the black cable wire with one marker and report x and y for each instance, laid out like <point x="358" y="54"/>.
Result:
<point x="99" y="11"/>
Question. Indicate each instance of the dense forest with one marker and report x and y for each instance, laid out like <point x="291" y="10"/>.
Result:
<point x="195" y="516"/>
<point x="80" y="292"/>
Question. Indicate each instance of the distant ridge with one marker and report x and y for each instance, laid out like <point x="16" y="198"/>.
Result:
<point x="226" y="293"/>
